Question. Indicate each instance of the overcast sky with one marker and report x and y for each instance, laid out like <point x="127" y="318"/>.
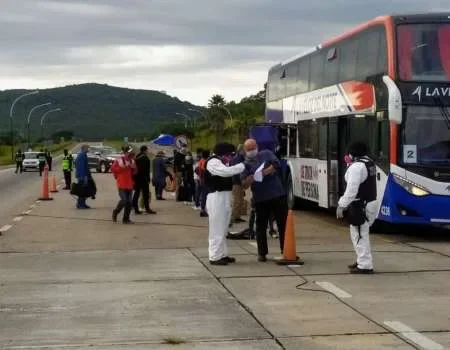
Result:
<point x="190" y="48"/>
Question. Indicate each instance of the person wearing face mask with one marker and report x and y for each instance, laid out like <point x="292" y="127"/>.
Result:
<point x="358" y="205"/>
<point x="269" y="196"/>
<point x="218" y="179"/>
<point x="124" y="169"/>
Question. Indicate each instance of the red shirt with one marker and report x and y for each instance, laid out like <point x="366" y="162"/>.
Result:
<point x="123" y="170"/>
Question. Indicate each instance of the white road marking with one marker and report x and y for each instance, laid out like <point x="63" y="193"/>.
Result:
<point x="417" y="338"/>
<point x="18" y="218"/>
<point x="28" y="212"/>
<point x="33" y="206"/>
<point x="253" y="244"/>
<point x="38" y="201"/>
<point x="5" y="228"/>
<point x="335" y="290"/>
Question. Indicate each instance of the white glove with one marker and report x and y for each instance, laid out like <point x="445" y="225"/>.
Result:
<point x="340" y="213"/>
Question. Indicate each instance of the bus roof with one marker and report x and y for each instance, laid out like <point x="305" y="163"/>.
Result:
<point x="387" y="20"/>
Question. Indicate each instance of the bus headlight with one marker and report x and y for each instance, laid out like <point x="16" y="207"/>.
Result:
<point x="411" y="187"/>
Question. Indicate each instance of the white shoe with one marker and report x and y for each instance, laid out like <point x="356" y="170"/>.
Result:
<point x="196" y="208"/>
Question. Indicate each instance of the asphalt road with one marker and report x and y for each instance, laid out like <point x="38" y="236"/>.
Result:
<point x="19" y="191"/>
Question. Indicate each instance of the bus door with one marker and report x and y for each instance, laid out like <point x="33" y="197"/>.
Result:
<point x="343" y="137"/>
<point x="323" y="165"/>
<point x="333" y="162"/>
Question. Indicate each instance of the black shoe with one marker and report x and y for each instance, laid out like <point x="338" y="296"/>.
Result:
<point x="150" y="212"/>
<point x="230" y="259"/>
<point x="127" y="222"/>
<point x="262" y="258"/>
<point x="239" y="220"/>
<point x="203" y="215"/>
<point x="357" y="270"/>
<point x="114" y="215"/>
<point x="137" y="212"/>
<point x="353" y="266"/>
<point x="221" y="262"/>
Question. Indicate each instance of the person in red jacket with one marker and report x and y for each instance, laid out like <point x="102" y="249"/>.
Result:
<point x="123" y="170"/>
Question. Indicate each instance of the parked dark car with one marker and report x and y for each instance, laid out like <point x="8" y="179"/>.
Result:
<point x="102" y="158"/>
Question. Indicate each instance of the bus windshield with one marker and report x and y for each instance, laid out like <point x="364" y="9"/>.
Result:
<point x="424" y="52"/>
<point x="426" y="134"/>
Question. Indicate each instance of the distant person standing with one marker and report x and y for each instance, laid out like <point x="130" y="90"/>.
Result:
<point x="19" y="161"/>
<point x="49" y="159"/>
<point x="178" y="169"/>
<point x="204" y="187"/>
<point x="67" y="165"/>
<point x="198" y="157"/>
<point x="42" y="161"/>
<point x="159" y="175"/>
<point x="83" y="174"/>
<point x="188" y="179"/>
<point x="124" y="169"/>
<point x="142" y="181"/>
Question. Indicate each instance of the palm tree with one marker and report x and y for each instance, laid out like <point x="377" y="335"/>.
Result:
<point x="216" y="115"/>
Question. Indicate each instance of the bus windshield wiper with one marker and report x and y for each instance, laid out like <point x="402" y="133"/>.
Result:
<point x="444" y="111"/>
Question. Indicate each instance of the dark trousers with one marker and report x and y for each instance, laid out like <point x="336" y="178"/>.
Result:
<point x="159" y="188"/>
<point x="49" y="162"/>
<point x="141" y="187"/>
<point x="67" y="178"/>
<point x="203" y="196"/>
<point x="125" y="202"/>
<point x="197" y="194"/>
<point x="19" y="167"/>
<point x="41" y="168"/>
<point x="278" y="207"/>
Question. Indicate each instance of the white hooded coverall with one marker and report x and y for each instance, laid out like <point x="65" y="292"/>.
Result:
<point x="218" y="206"/>
<point x="355" y="175"/>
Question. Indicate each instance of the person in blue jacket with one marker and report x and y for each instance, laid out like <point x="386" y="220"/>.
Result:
<point x="82" y="174"/>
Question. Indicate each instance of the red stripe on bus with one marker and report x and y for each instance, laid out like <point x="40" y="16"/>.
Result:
<point x="387" y="22"/>
<point x="393" y="142"/>
<point x="360" y="95"/>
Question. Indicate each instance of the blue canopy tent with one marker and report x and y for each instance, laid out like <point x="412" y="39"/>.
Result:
<point x="164" y="140"/>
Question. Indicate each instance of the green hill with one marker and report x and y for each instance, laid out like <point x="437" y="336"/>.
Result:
<point x="93" y="111"/>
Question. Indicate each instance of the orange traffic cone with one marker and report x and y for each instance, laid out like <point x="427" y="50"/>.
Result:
<point x="53" y="188"/>
<point x="45" y="196"/>
<point x="289" y="251"/>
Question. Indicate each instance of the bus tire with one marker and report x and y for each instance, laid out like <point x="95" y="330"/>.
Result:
<point x="291" y="200"/>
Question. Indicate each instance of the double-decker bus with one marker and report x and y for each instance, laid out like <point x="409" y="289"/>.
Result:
<point x="387" y="82"/>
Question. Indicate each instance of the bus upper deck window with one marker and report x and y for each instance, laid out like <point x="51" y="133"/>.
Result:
<point x="444" y="48"/>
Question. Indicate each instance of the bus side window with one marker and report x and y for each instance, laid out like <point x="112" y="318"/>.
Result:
<point x="293" y="142"/>
<point x="323" y="139"/>
<point x="308" y="139"/>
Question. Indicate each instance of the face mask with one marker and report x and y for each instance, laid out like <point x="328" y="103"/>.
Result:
<point x="251" y="154"/>
<point x="348" y="159"/>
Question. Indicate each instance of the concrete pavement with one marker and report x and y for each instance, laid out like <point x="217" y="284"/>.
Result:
<point x="74" y="279"/>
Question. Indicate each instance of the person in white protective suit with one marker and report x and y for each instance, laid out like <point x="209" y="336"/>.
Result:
<point x="218" y="179"/>
<point x="358" y="205"/>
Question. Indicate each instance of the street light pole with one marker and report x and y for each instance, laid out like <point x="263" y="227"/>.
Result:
<point x="11" y="118"/>
<point x="186" y="117"/>
<point x="29" y="117"/>
<point x="227" y="110"/>
<point x="43" y="118"/>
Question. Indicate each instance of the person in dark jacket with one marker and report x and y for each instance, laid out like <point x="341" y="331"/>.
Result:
<point x="188" y="178"/>
<point x="179" y="164"/>
<point x="83" y="174"/>
<point x="19" y="161"/>
<point x="159" y="175"/>
<point x="142" y="181"/>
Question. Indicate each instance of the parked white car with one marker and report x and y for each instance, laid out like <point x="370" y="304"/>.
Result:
<point x="30" y="161"/>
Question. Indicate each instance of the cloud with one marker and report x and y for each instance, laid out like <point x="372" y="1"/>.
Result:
<point x="189" y="48"/>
